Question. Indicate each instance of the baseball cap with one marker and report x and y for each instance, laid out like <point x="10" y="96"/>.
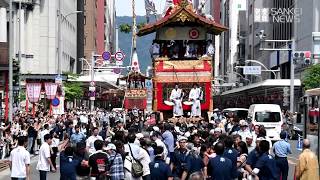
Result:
<point x="139" y="135"/>
<point x="182" y="138"/>
<point x="243" y="123"/>
<point x="110" y="146"/>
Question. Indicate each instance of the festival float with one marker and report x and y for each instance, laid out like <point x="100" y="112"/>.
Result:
<point x="181" y="54"/>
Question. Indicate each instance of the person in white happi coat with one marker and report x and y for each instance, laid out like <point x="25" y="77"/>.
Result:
<point x="195" y="96"/>
<point x="176" y="96"/>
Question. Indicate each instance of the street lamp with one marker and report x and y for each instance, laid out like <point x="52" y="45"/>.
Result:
<point x="241" y="76"/>
<point x="61" y="19"/>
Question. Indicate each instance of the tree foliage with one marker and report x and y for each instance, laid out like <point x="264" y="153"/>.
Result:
<point x="126" y="28"/>
<point x="312" y="77"/>
<point x="73" y="89"/>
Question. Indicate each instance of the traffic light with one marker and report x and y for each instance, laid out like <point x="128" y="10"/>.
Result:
<point x="302" y="56"/>
<point x="307" y="57"/>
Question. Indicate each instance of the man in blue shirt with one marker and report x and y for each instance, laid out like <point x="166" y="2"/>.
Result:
<point x="179" y="160"/>
<point x="266" y="167"/>
<point x="220" y="167"/>
<point x="253" y="156"/>
<point x="68" y="164"/>
<point x="281" y="150"/>
<point x="159" y="170"/>
<point x="168" y="139"/>
<point x="232" y="154"/>
<point x="77" y="136"/>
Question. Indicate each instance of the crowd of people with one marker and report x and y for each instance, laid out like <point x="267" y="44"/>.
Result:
<point x="102" y="145"/>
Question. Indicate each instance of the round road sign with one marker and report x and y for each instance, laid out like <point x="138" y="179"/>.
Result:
<point x="117" y="70"/>
<point x="119" y="56"/>
<point x="55" y="102"/>
<point x="106" y="55"/>
<point x="92" y="83"/>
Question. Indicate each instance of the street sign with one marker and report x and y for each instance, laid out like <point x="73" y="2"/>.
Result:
<point x="117" y="70"/>
<point x="92" y="89"/>
<point x="148" y="84"/>
<point x="58" y="79"/>
<point x="55" y="102"/>
<point x="92" y="98"/>
<point x="119" y="56"/>
<point x="253" y="70"/>
<point x="106" y="55"/>
<point x="119" y="63"/>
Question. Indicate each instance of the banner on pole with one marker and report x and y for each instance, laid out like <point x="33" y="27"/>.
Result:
<point x="51" y="90"/>
<point x="33" y="92"/>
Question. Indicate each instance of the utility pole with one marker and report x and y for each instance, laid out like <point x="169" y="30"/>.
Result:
<point x="292" y="78"/>
<point x="20" y="42"/>
<point x="10" y="118"/>
<point x="59" y="40"/>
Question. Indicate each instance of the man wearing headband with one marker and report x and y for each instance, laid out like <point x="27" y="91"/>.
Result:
<point x="195" y="96"/>
<point x="176" y="97"/>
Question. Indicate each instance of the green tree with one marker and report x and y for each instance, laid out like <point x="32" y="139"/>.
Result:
<point x="312" y="77"/>
<point x="126" y="28"/>
<point x="73" y="89"/>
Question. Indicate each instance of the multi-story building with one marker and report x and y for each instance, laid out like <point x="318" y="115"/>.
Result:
<point x="4" y="49"/>
<point x="36" y="36"/>
<point x="231" y="16"/>
<point x="99" y="27"/>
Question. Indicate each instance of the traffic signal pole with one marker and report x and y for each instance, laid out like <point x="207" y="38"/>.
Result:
<point x="292" y="78"/>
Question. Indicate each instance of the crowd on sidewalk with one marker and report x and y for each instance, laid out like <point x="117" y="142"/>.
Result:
<point x="102" y="145"/>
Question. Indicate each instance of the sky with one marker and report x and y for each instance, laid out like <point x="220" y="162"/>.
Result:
<point x="124" y="7"/>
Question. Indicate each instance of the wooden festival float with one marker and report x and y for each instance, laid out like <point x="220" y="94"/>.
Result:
<point x="135" y="94"/>
<point x="182" y="36"/>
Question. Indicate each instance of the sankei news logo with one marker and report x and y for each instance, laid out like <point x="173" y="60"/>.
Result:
<point x="277" y="15"/>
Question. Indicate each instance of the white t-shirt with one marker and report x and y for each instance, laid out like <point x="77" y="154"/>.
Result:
<point x="44" y="154"/>
<point x="55" y="142"/>
<point x="42" y="133"/>
<point x="19" y="157"/>
<point x="90" y="143"/>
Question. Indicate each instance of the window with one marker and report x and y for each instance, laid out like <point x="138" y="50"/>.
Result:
<point x="84" y="2"/>
<point x="267" y="116"/>
<point x="84" y="20"/>
<point x="250" y="29"/>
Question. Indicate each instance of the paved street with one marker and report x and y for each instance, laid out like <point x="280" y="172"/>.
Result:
<point x="293" y="158"/>
<point x="51" y="176"/>
<point x="34" y="173"/>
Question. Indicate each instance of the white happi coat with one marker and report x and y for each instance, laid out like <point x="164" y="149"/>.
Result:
<point x="176" y="97"/>
<point x="195" y="96"/>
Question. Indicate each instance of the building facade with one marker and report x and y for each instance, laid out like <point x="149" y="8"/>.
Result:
<point x="38" y="35"/>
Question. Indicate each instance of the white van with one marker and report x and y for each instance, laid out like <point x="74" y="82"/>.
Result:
<point x="268" y="115"/>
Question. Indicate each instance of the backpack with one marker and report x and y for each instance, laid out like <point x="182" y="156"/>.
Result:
<point x="136" y="168"/>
